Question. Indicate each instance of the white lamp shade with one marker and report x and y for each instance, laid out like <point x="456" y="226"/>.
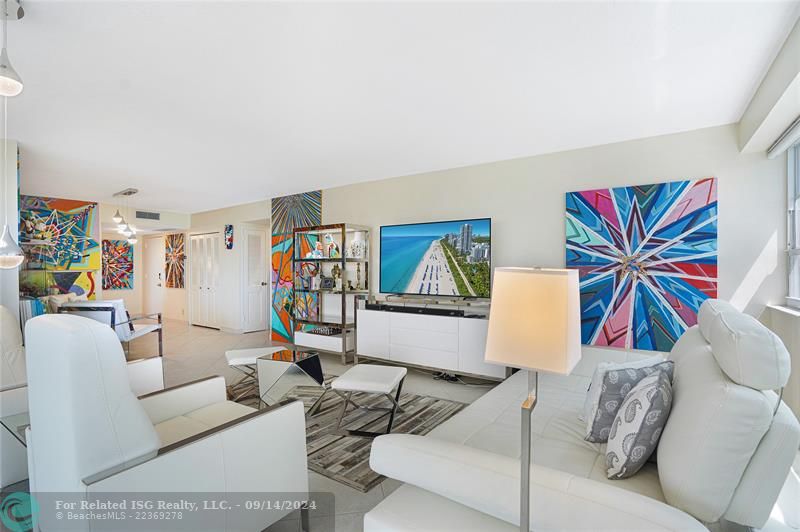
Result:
<point x="10" y="82"/>
<point x="534" y="320"/>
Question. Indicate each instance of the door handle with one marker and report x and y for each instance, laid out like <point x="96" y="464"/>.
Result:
<point x="263" y="283"/>
<point x="158" y="284"/>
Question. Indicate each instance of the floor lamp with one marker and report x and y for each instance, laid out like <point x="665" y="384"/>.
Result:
<point x="534" y="325"/>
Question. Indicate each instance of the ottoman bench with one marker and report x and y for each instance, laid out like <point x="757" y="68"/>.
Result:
<point x="374" y="379"/>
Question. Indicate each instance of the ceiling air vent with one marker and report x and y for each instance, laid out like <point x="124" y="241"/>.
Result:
<point x="144" y="215"/>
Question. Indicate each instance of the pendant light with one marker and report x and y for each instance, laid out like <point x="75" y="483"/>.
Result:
<point x="10" y="82"/>
<point x="11" y="254"/>
<point x="117" y="218"/>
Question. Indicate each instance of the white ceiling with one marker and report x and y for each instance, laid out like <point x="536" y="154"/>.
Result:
<point x="203" y="105"/>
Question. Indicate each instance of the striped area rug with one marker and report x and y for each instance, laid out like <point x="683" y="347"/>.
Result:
<point x="346" y="458"/>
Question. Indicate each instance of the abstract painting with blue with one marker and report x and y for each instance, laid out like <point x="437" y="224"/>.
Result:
<point x="450" y="258"/>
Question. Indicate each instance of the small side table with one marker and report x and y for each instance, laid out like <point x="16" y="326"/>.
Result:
<point x="16" y="425"/>
<point x="280" y="372"/>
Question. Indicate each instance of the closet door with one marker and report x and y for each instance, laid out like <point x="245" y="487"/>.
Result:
<point x="196" y="284"/>
<point x="213" y="244"/>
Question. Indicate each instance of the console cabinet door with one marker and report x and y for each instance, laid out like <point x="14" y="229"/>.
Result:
<point x="372" y="333"/>
<point x="471" y="347"/>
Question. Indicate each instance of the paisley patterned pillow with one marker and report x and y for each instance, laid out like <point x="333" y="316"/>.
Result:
<point x="638" y="425"/>
<point x="616" y="385"/>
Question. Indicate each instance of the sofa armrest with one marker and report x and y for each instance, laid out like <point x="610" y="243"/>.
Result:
<point x="179" y="400"/>
<point x="13" y="400"/>
<point x="490" y="483"/>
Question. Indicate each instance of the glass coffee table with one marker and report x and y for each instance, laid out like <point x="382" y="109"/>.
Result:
<point x="16" y="425"/>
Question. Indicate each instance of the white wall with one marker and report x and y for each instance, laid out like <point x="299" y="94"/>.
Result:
<point x="525" y="199"/>
<point x="9" y="279"/>
<point x="230" y="311"/>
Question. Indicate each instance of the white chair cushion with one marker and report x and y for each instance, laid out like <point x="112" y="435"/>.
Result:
<point x="182" y="427"/>
<point x="748" y="352"/>
<point x="370" y="378"/>
<point x="249" y="357"/>
<point x="12" y="354"/>
<point x="140" y="329"/>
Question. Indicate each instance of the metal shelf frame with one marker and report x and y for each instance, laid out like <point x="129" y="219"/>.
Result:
<point x="344" y="233"/>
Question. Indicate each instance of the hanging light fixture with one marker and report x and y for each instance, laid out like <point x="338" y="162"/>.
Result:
<point x="11" y="255"/>
<point x="10" y="82"/>
<point x="117" y="217"/>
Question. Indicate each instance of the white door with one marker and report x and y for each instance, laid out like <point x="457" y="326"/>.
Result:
<point x="204" y="261"/>
<point x="153" y="274"/>
<point x="255" y="280"/>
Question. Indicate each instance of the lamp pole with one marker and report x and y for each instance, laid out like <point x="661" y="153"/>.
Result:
<point x="525" y="460"/>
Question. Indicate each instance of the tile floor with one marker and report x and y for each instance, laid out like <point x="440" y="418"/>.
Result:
<point x="194" y="352"/>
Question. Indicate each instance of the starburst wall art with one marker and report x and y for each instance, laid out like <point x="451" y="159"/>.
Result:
<point x="117" y="265"/>
<point x="174" y="259"/>
<point x="647" y="257"/>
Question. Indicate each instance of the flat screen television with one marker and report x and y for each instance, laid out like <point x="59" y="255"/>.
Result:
<point x="450" y="258"/>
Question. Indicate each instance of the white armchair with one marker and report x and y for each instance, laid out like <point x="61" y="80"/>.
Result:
<point x="97" y="437"/>
<point x="146" y="374"/>
<point x="13" y="398"/>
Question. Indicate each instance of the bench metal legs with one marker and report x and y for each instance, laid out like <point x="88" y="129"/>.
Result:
<point x="348" y="399"/>
<point x="246" y="385"/>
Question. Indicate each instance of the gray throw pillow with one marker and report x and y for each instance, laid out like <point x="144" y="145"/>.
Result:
<point x="616" y="385"/>
<point x="638" y="426"/>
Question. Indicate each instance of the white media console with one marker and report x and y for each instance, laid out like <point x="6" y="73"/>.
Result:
<point x="449" y="343"/>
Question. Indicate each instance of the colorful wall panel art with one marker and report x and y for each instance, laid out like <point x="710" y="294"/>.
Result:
<point x="45" y="282"/>
<point x="117" y="265"/>
<point x="59" y="234"/>
<point x="647" y="257"/>
<point x="228" y="236"/>
<point x="289" y="212"/>
<point x="175" y="258"/>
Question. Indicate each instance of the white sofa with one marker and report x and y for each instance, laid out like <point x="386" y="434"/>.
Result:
<point x="90" y="434"/>
<point x="722" y="455"/>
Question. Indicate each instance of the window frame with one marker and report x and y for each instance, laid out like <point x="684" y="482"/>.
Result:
<point x="793" y="226"/>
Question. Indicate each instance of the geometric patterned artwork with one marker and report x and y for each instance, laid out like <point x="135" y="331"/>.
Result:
<point x="228" y="236"/>
<point x="647" y="257"/>
<point x="59" y="234"/>
<point x="117" y="265"/>
<point x="46" y="282"/>
<point x="175" y="257"/>
<point x="289" y="212"/>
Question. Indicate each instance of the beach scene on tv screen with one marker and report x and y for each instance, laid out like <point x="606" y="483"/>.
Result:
<point x="437" y="259"/>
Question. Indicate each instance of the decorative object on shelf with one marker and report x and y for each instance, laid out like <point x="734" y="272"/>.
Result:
<point x="336" y="272"/>
<point x="228" y="236"/>
<point x="534" y="325"/>
<point x="287" y="213"/>
<point x="318" y="252"/>
<point x="59" y="234"/>
<point x="331" y="247"/>
<point x="308" y="276"/>
<point x="175" y="257"/>
<point x="357" y="248"/>
<point x="327" y="283"/>
<point x="325" y="331"/>
<point x="350" y="285"/>
<point x="647" y="257"/>
<point x="358" y="276"/>
<point x="117" y="265"/>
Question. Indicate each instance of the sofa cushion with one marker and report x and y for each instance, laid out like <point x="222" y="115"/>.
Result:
<point x="638" y="425"/>
<point x="611" y="383"/>
<point x="707" y="315"/>
<point x="748" y="352"/>
<point x="181" y="427"/>
<point x="713" y="429"/>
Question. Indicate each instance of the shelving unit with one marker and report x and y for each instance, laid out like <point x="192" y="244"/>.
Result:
<point x="315" y="307"/>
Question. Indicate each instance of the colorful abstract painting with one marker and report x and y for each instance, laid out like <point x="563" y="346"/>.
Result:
<point x="175" y="258"/>
<point x="117" y="265"/>
<point x="647" y="257"/>
<point x="228" y="237"/>
<point x="59" y="234"/>
<point x="45" y="282"/>
<point x="289" y="212"/>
